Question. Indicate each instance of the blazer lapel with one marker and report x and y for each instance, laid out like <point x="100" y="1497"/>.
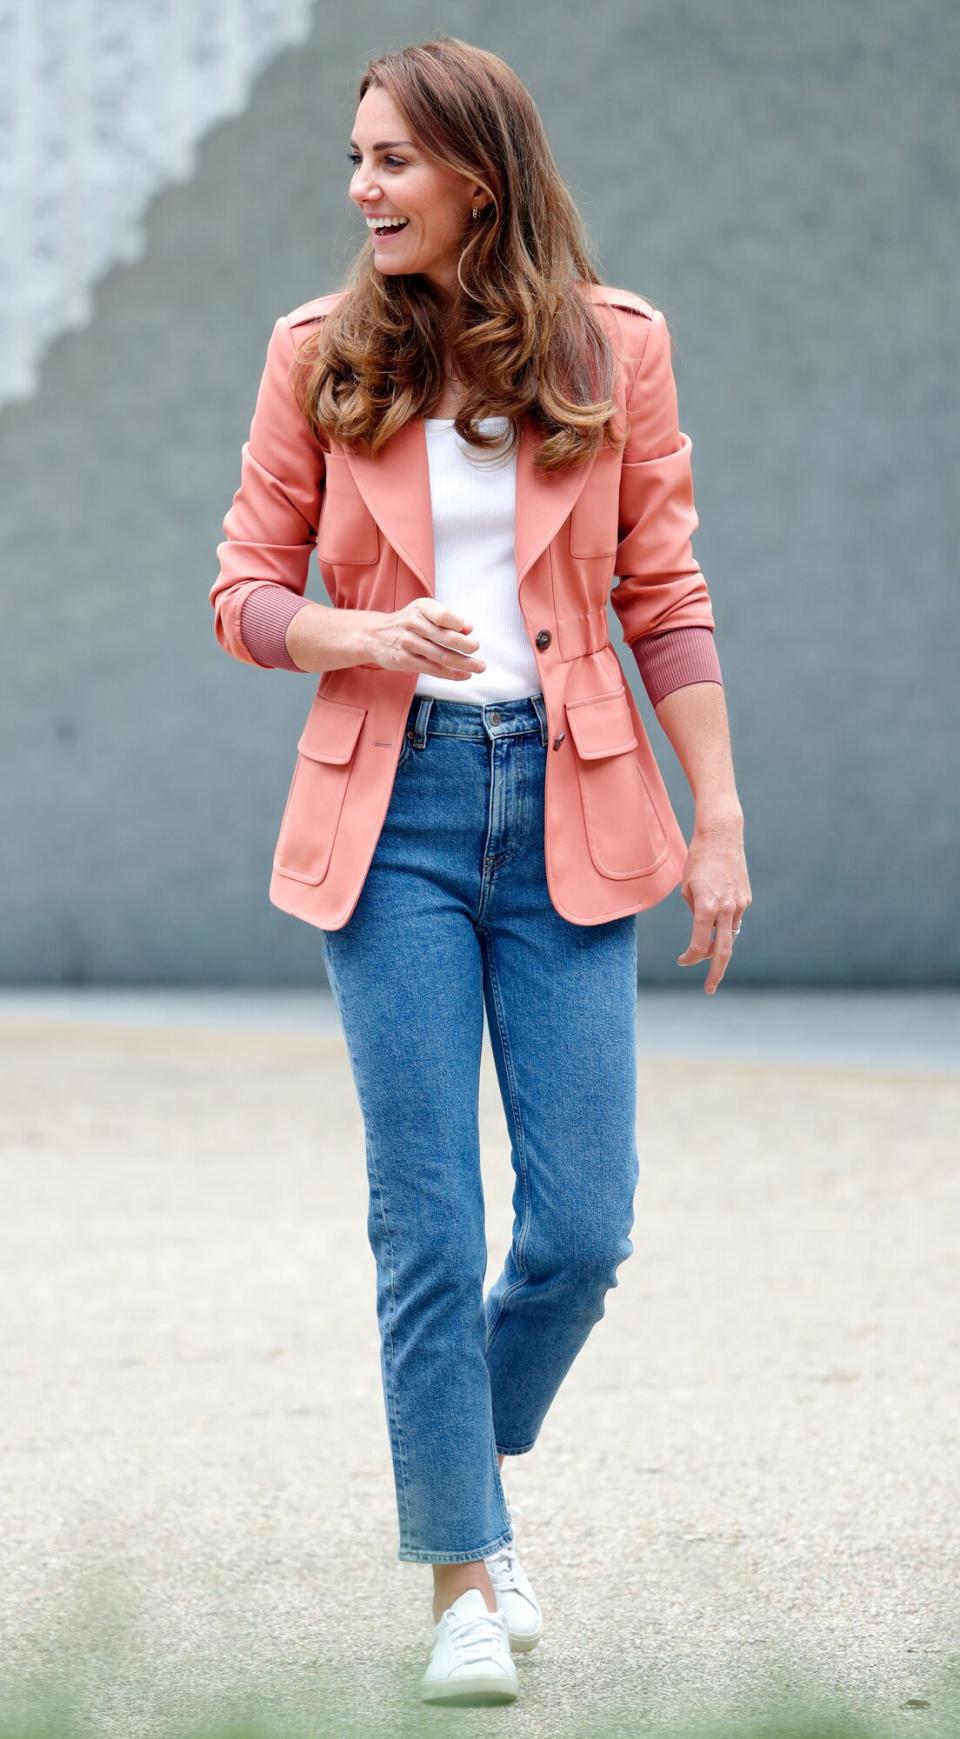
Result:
<point x="396" y="488"/>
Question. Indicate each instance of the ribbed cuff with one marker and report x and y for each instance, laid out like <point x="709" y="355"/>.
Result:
<point x="264" y="618"/>
<point x="675" y="657"/>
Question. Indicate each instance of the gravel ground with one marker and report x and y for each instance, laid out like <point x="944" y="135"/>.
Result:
<point x="749" y="1481"/>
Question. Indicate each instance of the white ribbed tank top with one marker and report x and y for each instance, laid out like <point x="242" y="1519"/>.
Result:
<point x="473" y="503"/>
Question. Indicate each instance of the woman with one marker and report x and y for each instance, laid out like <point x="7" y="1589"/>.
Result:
<point x="476" y="436"/>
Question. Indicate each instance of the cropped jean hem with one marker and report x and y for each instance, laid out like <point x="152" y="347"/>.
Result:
<point x="519" y="1449"/>
<point x="413" y="1554"/>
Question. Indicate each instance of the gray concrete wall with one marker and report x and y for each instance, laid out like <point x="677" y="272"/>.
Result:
<point x="782" y="182"/>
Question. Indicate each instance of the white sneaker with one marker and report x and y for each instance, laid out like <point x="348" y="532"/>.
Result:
<point x="515" y="1597"/>
<point x="470" y="1661"/>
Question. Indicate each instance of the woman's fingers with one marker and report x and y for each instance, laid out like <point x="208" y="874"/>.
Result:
<point x="712" y="934"/>
<point x="440" y="648"/>
<point x="722" y="947"/>
<point x="428" y="655"/>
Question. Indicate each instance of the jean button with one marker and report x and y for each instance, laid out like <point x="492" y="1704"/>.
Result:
<point x="495" y="718"/>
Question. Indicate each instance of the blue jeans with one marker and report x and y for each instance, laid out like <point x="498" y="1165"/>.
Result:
<point x="454" y="917"/>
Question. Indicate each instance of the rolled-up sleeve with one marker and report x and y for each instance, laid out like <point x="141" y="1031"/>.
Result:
<point x="271" y="526"/>
<point x="661" y="598"/>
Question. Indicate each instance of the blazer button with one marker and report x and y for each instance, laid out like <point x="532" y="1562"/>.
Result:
<point x="544" y="638"/>
<point x="558" y="740"/>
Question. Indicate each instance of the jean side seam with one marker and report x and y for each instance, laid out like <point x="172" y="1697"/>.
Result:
<point x="526" y="1215"/>
<point x="498" y="1482"/>
<point x="392" y="1399"/>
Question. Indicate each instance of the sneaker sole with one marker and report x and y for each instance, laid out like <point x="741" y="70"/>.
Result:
<point x="481" y="1688"/>
<point x="523" y="1644"/>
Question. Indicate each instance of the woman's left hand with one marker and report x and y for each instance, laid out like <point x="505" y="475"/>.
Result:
<point x="716" y="887"/>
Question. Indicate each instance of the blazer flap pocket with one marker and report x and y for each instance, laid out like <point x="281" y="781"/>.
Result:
<point x="601" y="724"/>
<point x="331" y="731"/>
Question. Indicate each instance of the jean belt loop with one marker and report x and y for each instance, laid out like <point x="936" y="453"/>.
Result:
<point x="541" y="712"/>
<point x="423" y="714"/>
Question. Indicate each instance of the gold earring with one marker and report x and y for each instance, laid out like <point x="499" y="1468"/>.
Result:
<point x="476" y="212"/>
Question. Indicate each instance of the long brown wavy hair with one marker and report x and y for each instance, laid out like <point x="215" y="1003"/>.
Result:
<point x="518" y="334"/>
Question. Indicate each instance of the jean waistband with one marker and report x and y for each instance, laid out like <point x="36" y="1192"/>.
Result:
<point x="433" y="715"/>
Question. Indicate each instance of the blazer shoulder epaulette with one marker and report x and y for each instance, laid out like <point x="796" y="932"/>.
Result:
<point x="315" y="309"/>
<point x="621" y="299"/>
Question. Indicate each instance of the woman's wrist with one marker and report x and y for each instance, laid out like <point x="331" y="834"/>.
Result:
<point x="720" y="814"/>
<point x="322" y="638"/>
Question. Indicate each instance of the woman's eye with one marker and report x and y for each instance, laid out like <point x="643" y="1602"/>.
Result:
<point x="354" y="157"/>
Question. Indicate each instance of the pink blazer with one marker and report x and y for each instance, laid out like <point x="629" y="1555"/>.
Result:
<point x="612" y="843"/>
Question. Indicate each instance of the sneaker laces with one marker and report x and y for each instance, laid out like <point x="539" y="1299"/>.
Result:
<point x="472" y="1636"/>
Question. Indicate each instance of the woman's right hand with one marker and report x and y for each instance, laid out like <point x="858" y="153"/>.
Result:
<point x="427" y="636"/>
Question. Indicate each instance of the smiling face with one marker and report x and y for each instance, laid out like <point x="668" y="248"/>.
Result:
<point x="394" y="177"/>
